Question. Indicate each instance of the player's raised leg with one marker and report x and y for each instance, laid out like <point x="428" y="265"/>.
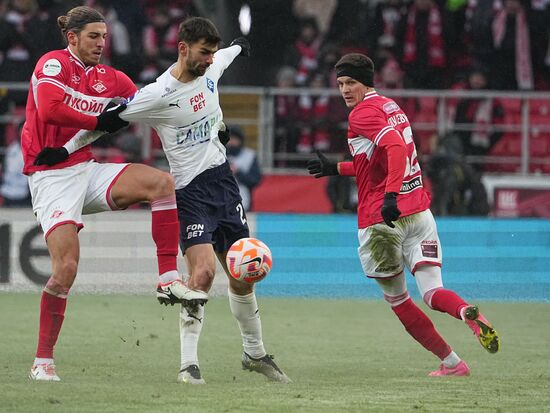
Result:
<point x="428" y="279"/>
<point x="141" y="183"/>
<point x="63" y="247"/>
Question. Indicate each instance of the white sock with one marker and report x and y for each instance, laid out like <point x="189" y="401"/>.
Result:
<point x="451" y="360"/>
<point x="169" y="276"/>
<point x="245" y="310"/>
<point x="190" y="331"/>
<point x="38" y="361"/>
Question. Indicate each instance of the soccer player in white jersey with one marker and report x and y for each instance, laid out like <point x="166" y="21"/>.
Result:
<point x="183" y="107"/>
<point x="396" y="227"/>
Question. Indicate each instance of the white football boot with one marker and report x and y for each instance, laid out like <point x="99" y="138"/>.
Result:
<point x="44" y="372"/>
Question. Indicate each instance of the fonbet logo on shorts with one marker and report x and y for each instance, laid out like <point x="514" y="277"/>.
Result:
<point x="52" y="67"/>
<point x="194" y="230"/>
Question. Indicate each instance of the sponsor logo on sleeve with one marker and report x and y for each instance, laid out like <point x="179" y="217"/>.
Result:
<point x="390" y="107"/>
<point x="52" y="67"/>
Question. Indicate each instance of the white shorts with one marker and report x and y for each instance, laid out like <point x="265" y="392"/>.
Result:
<point x="384" y="251"/>
<point x="61" y="196"/>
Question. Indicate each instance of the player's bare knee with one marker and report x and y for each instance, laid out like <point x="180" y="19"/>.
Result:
<point x="65" y="267"/>
<point x="165" y="185"/>
<point x="202" y="278"/>
<point x="240" y="287"/>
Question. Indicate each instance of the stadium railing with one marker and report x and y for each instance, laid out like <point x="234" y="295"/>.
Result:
<point x="524" y="147"/>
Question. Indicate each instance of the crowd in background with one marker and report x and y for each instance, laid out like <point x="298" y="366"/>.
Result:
<point x="420" y="44"/>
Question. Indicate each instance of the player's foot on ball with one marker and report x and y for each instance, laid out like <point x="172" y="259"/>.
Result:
<point x="176" y="292"/>
<point x="483" y="330"/>
<point x="266" y="366"/>
<point x="191" y="374"/>
<point x="461" y="369"/>
<point x="44" y="372"/>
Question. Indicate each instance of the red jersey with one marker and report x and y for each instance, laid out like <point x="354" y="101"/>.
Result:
<point x="384" y="159"/>
<point x="65" y="96"/>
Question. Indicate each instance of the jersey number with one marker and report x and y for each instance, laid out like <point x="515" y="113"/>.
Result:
<point x="240" y="210"/>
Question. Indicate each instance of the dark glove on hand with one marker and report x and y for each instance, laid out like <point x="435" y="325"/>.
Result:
<point x="224" y="136"/>
<point x="51" y="156"/>
<point x="322" y="166"/>
<point x="389" y="210"/>
<point x="245" y="46"/>
<point x="109" y="121"/>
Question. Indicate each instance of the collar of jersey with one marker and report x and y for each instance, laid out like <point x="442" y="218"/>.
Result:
<point x="78" y="61"/>
<point x="370" y="95"/>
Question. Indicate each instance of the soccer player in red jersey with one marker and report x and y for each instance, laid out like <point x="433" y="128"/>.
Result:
<point x="396" y="227"/>
<point x="69" y="92"/>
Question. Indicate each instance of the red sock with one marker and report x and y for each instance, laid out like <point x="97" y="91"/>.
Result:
<point x="52" y="313"/>
<point x="448" y="301"/>
<point x="421" y="328"/>
<point x="165" y="230"/>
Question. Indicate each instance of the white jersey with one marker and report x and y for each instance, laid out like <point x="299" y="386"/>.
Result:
<point x="186" y="117"/>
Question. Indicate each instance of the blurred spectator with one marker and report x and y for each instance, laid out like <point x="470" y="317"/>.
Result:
<point x="384" y="24"/>
<point x="421" y="38"/>
<point x="244" y="164"/>
<point x="39" y="29"/>
<point x="304" y="53"/>
<point x="320" y="10"/>
<point x="286" y="108"/>
<point x="16" y="45"/>
<point x="456" y="187"/>
<point x="118" y="50"/>
<point x="314" y="110"/>
<point x="273" y="28"/>
<point x="511" y="64"/>
<point x="160" y="44"/>
<point x="329" y="55"/>
<point x="14" y="189"/>
<point x="342" y="192"/>
<point x="477" y="116"/>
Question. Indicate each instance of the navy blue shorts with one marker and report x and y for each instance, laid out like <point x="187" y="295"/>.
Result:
<point x="210" y="210"/>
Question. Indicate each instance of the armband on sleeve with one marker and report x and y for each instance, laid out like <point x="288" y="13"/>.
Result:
<point x="81" y="139"/>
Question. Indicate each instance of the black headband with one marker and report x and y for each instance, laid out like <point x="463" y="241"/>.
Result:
<point x="79" y="23"/>
<point x="361" y="74"/>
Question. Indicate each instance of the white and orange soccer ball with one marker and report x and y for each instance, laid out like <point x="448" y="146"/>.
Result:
<point x="249" y="260"/>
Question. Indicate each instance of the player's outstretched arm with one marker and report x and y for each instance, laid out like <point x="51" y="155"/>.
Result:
<point x="108" y="121"/>
<point x="245" y="46"/>
<point x="322" y="166"/>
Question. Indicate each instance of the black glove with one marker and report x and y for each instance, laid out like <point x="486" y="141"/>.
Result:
<point x="245" y="46"/>
<point x="109" y="121"/>
<point x="224" y="136"/>
<point x="50" y="156"/>
<point x="389" y="210"/>
<point x="322" y="166"/>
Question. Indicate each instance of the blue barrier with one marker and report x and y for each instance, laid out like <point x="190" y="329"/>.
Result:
<point x="483" y="258"/>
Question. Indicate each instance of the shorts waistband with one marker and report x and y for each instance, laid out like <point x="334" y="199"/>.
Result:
<point x="213" y="173"/>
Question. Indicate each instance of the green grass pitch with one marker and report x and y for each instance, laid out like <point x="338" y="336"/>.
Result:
<point x="121" y="353"/>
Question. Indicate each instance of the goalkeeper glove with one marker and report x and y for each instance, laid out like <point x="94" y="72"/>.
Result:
<point x="245" y="46"/>
<point x="389" y="210"/>
<point x="51" y="156"/>
<point x="322" y="166"/>
<point x="109" y="121"/>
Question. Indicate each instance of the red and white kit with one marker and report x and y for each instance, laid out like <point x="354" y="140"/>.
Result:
<point x="376" y="133"/>
<point x="64" y="98"/>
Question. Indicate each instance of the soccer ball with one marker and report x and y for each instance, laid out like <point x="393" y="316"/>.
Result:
<point x="249" y="260"/>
